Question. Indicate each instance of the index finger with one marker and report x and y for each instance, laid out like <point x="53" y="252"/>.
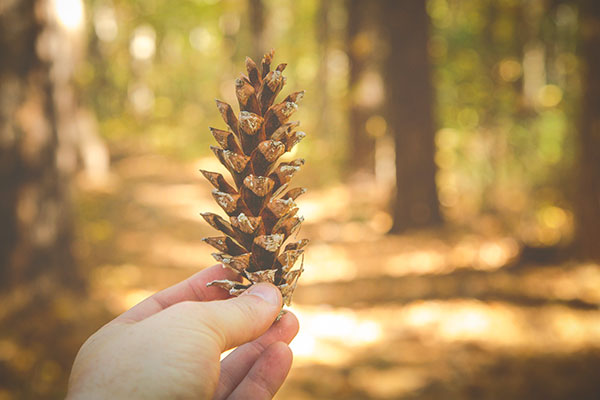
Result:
<point x="191" y="289"/>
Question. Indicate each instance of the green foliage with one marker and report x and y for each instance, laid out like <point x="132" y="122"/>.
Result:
<point x="165" y="102"/>
<point x="504" y="73"/>
<point x="506" y="85"/>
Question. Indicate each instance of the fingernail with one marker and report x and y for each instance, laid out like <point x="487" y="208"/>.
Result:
<point x="266" y="292"/>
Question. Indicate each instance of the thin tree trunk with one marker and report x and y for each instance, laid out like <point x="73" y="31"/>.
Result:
<point x="256" y="14"/>
<point x="35" y="213"/>
<point x="409" y="109"/>
<point x="322" y="34"/>
<point x="361" y="154"/>
<point x="588" y="199"/>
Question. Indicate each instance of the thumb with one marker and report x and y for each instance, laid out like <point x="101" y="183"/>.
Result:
<point x="238" y="320"/>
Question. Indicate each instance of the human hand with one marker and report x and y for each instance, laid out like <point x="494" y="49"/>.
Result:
<point x="169" y="345"/>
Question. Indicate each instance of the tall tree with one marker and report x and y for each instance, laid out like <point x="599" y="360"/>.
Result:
<point x="35" y="127"/>
<point x="360" y="41"/>
<point x="588" y="178"/>
<point x="256" y="15"/>
<point x="322" y="36"/>
<point x="409" y="113"/>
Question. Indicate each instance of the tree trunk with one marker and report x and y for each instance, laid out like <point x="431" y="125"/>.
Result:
<point x="35" y="98"/>
<point x="409" y="109"/>
<point x="256" y="14"/>
<point x="361" y="152"/>
<point x="588" y="178"/>
<point x="322" y="36"/>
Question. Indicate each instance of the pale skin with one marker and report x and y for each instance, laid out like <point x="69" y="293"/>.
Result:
<point x="169" y="346"/>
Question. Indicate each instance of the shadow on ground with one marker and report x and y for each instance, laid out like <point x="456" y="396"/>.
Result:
<point x="432" y="315"/>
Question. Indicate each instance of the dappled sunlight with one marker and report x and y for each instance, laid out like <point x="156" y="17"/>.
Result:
<point x="130" y="299"/>
<point x="398" y="270"/>
<point x="327" y="263"/>
<point x="334" y="336"/>
<point x="383" y="315"/>
<point x="495" y="254"/>
<point x="400" y="256"/>
<point x="502" y="324"/>
<point x="462" y="321"/>
<point x="335" y="223"/>
<point x="326" y="334"/>
<point x="69" y="13"/>
<point x="208" y="164"/>
<point x="579" y="282"/>
<point x="184" y="201"/>
<point x="120" y="287"/>
<point x="119" y="300"/>
<point x="328" y="204"/>
<point x="416" y="262"/>
<point x="117" y="286"/>
<point x="392" y="382"/>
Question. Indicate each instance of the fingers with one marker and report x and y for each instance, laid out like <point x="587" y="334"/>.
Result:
<point x="237" y="364"/>
<point x="267" y="375"/>
<point x="235" y="321"/>
<point x="192" y="289"/>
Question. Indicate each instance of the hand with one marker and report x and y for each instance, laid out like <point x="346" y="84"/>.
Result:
<point x="169" y="345"/>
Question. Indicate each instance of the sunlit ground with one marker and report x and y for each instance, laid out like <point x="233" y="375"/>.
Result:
<point x="330" y="336"/>
<point x="382" y="315"/>
<point x="432" y="315"/>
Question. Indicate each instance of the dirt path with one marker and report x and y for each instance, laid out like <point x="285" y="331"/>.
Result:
<point x="434" y="315"/>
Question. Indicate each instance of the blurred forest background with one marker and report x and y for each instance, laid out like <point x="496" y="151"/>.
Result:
<point x="453" y="167"/>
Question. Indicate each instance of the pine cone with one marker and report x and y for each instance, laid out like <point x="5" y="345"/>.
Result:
<point x="262" y="213"/>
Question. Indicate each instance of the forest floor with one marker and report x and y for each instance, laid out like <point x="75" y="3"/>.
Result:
<point x="444" y="314"/>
